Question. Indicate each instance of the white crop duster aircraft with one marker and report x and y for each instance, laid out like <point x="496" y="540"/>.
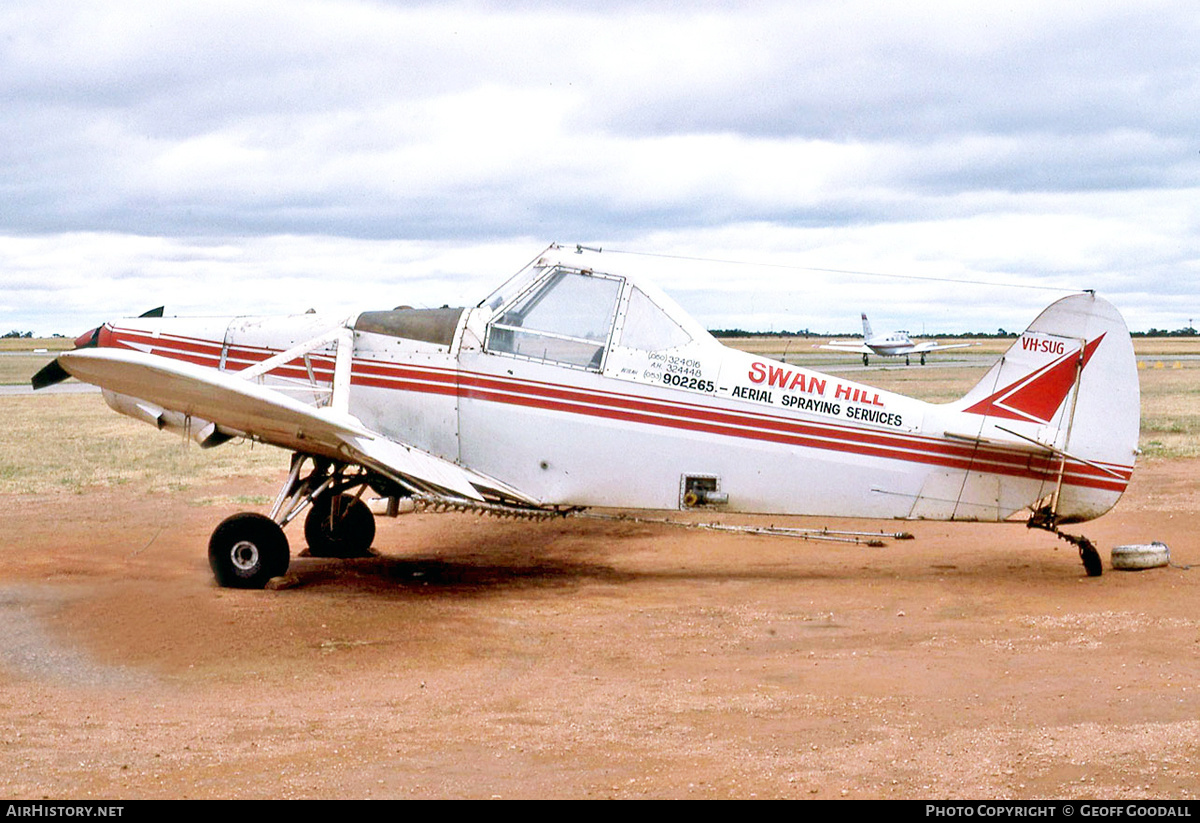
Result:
<point x="573" y="387"/>
<point x="891" y="344"/>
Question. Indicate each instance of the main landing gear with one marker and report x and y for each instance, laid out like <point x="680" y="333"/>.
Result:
<point x="339" y="525"/>
<point x="247" y="549"/>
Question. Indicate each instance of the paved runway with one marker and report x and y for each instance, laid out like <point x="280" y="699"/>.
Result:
<point x="62" y="388"/>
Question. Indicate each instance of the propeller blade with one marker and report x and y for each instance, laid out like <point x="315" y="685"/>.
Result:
<point x="48" y="375"/>
<point x="53" y="373"/>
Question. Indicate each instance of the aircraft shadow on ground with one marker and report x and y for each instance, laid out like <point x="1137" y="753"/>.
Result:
<point x="498" y="561"/>
<point x="460" y="575"/>
<point x="510" y="560"/>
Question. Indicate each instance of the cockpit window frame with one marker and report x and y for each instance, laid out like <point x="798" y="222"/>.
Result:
<point x="542" y="282"/>
<point x="621" y="337"/>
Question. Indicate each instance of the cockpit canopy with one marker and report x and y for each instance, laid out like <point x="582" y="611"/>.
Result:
<point x="574" y="317"/>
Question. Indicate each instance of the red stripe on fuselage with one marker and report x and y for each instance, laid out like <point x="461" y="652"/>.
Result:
<point x="642" y="410"/>
<point x="912" y="449"/>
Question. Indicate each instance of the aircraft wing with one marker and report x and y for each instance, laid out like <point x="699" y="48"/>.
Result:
<point x="929" y="346"/>
<point x="851" y="346"/>
<point x="238" y="405"/>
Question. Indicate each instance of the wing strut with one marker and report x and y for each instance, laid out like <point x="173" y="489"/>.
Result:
<point x="342" y="338"/>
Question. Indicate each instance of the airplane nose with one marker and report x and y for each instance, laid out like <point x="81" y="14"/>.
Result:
<point x="89" y="339"/>
<point x="53" y="373"/>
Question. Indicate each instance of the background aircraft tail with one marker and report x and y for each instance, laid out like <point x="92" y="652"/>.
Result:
<point x="1068" y="390"/>
<point x="866" y="328"/>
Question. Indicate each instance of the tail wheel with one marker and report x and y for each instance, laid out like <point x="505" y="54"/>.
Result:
<point x="339" y="525"/>
<point x="1091" y="559"/>
<point x="247" y="550"/>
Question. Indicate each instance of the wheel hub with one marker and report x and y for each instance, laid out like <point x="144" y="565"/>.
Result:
<point x="244" y="555"/>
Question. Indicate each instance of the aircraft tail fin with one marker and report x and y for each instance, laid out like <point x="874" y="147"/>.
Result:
<point x="866" y="327"/>
<point x="1068" y="384"/>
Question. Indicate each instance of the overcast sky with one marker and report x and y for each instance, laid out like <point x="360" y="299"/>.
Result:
<point x="265" y="157"/>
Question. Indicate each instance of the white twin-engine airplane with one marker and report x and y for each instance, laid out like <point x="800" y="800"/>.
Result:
<point x="892" y="344"/>
<point x="573" y="387"/>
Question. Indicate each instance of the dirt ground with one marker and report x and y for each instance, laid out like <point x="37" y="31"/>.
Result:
<point x="485" y="658"/>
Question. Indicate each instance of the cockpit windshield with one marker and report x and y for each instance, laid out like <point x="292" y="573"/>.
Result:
<point x="565" y="317"/>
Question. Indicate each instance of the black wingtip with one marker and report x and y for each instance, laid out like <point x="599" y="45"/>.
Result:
<point x="48" y="375"/>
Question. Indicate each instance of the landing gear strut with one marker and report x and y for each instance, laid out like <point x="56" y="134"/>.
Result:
<point x="248" y="549"/>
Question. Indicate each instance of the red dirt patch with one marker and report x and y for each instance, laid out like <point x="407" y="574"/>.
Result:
<point x="585" y="658"/>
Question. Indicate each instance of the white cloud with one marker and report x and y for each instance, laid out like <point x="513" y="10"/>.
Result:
<point x="266" y="150"/>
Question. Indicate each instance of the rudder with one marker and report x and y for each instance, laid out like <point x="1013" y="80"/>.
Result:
<point x="1068" y="383"/>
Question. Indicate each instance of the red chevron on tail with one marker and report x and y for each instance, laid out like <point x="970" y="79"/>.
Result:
<point x="1037" y="396"/>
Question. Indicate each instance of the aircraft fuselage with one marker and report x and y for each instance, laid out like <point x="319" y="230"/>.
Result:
<point x="575" y="410"/>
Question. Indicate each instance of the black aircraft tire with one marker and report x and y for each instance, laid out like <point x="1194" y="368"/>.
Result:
<point x="348" y="533"/>
<point x="247" y="550"/>
<point x="1091" y="561"/>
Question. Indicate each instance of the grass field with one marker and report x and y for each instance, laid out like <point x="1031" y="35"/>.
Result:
<point x="1171" y="411"/>
<point x="64" y="442"/>
<point x="19" y="358"/>
<point x="70" y="442"/>
<point x="26" y="344"/>
<point x="16" y="369"/>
